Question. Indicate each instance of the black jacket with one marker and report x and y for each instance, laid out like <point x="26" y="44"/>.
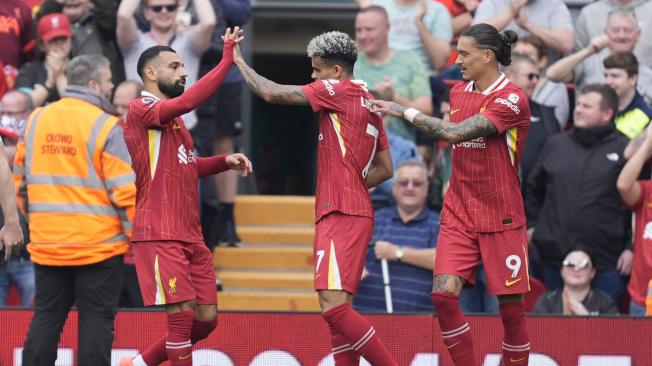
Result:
<point x="543" y="124"/>
<point x="572" y="199"/>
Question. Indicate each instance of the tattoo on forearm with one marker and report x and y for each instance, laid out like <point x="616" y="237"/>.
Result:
<point x="448" y="284"/>
<point x="469" y="129"/>
<point x="271" y="91"/>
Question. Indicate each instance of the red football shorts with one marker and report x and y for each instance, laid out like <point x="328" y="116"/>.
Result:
<point x="170" y="272"/>
<point x="341" y="243"/>
<point x="502" y="254"/>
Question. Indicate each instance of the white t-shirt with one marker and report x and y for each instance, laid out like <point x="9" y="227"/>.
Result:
<point x="182" y="45"/>
<point x="403" y="33"/>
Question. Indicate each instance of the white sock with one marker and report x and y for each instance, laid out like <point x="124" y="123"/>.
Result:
<point x="138" y="361"/>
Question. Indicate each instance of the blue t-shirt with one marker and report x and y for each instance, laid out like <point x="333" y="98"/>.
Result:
<point x="410" y="286"/>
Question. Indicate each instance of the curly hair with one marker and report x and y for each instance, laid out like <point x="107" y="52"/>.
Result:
<point x="334" y="48"/>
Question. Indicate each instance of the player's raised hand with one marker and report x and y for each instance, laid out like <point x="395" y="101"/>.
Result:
<point x="234" y="35"/>
<point x="391" y="108"/>
<point x="239" y="162"/>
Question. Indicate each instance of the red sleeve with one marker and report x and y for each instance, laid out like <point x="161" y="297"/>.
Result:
<point x="646" y="185"/>
<point x="161" y="112"/>
<point x="27" y="42"/>
<point x="507" y="108"/>
<point x="325" y="94"/>
<point x="211" y="165"/>
<point x="383" y="143"/>
<point x="145" y="111"/>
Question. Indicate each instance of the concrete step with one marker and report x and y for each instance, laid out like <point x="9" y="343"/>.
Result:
<point x="274" y="210"/>
<point x="266" y="279"/>
<point x="263" y="258"/>
<point x="268" y="301"/>
<point x="297" y="234"/>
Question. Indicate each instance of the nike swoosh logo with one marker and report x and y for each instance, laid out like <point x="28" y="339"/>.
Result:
<point x="317" y="275"/>
<point x="454" y="111"/>
<point x="517" y="360"/>
<point x="453" y="345"/>
<point x="185" y="357"/>
<point x="509" y="283"/>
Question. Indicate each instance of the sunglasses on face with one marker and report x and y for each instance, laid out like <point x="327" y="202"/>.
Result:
<point x="406" y="183"/>
<point x="576" y="265"/>
<point x="533" y="75"/>
<point x="159" y="8"/>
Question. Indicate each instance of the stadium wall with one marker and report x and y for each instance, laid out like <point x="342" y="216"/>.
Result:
<point x="292" y="339"/>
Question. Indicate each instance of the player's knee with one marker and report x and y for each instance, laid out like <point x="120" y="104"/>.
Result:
<point x="445" y="301"/>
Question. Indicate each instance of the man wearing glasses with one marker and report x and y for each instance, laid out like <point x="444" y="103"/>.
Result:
<point x="161" y="15"/>
<point x="405" y="235"/>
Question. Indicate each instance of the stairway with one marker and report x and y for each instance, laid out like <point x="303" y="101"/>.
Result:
<point x="272" y="271"/>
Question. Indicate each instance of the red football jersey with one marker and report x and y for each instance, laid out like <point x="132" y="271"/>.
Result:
<point x="642" y="266"/>
<point x="162" y="156"/>
<point x="485" y="192"/>
<point x="350" y="134"/>
<point x="16" y="36"/>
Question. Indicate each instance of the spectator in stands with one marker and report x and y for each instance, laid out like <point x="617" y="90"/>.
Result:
<point x="621" y="73"/>
<point x="44" y="78"/>
<point x="421" y="26"/>
<point x="576" y="297"/>
<point x="549" y="20"/>
<point x="394" y="75"/>
<point x="405" y="235"/>
<point x="94" y="24"/>
<point x="161" y="15"/>
<point x="16" y="37"/>
<point x="637" y="195"/>
<point x="461" y="12"/>
<point x="572" y="196"/>
<point x="592" y="21"/>
<point x="127" y="91"/>
<point x="15" y="107"/>
<point x="524" y="73"/>
<point x="585" y="66"/>
<point x="547" y="92"/>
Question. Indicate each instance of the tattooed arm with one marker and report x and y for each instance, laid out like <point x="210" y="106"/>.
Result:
<point x="270" y="91"/>
<point x="469" y="129"/>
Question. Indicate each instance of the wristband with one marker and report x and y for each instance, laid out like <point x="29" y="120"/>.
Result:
<point x="410" y="113"/>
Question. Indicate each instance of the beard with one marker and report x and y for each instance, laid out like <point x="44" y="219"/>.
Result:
<point x="171" y="90"/>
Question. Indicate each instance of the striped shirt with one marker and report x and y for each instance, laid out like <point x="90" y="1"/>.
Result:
<point x="350" y="134"/>
<point x="167" y="199"/>
<point x="410" y="285"/>
<point x="485" y="191"/>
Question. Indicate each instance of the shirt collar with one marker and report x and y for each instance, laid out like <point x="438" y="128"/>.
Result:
<point x="423" y="215"/>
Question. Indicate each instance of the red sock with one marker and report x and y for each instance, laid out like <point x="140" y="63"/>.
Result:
<point x="201" y="330"/>
<point x="157" y="354"/>
<point x="516" y="344"/>
<point x="454" y="328"/>
<point x="360" y="334"/>
<point x="343" y="353"/>
<point x="177" y="343"/>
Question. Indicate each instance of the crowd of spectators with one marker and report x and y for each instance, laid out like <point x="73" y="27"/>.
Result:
<point x="582" y="245"/>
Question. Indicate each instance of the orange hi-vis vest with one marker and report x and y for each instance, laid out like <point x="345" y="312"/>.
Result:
<point x="74" y="180"/>
<point x="648" y="299"/>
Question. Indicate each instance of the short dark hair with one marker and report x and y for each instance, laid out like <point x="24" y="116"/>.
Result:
<point x="609" y="98"/>
<point x="622" y="60"/>
<point x="537" y="43"/>
<point x="375" y="9"/>
<point x="487" y="36"/>
<point x="335" y="48"/>
<point x="148" y="55"/>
